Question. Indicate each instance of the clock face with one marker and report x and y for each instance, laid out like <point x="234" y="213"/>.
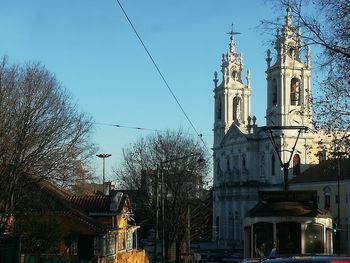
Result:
<point x="296" y="121"/>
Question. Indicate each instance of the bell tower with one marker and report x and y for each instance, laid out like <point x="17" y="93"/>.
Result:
<point x="232" y="96"/>
<point x="288" y="79"/>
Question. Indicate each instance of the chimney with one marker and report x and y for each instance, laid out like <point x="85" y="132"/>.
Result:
<point x="106" y="188"/>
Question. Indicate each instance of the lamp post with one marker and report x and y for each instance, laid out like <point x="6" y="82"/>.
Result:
<point x="338" y="186"/>
<point x="103" y="156"/>
<point x="188" y="229"/>
<point x="162" y="162"/>
<point x="284" y="164"/>
<point x="340" y="156"/>
<point x="156" y="235"/>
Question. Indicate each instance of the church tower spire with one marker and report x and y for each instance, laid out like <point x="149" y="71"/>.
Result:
<point x="232" y="96"/>
<point x="288" y="79"/>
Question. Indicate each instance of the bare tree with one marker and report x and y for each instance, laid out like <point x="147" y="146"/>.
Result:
<point x="332" y="104"/>
<point x="175" y="157"/>
<point x="325" y="25"/>
<point x="42" y="135"/>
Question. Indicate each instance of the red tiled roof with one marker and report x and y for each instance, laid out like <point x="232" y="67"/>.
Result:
<point x="44" y="197"/>
<point x="102" y="204"/>
<point x="92" y="203"/>
<point x="67" y="206"/>
<point x="324" y="171"/>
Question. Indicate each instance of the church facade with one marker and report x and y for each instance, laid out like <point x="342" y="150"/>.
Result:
<point x="244" y="157"/>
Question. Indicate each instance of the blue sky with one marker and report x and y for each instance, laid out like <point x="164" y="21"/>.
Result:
<point x="95" y="54"/>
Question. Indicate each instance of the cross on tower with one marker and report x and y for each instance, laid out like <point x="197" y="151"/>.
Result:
<point x="231" y="33"/>
<point x="232" y="44"/>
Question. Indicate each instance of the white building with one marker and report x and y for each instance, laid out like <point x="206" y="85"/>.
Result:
<point x="245" y="160"/>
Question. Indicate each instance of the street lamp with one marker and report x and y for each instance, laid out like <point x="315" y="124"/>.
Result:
<point x="339" y="156"/>
<point x="284" y="164"/>
<point x="103" y="156"/>
<point x="162" y="162"/>
<point x="338" y="186"/>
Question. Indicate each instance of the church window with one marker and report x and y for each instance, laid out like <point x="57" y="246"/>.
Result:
<point x="262" y="166"/>
<point x="327" y="197"/>
<point x="295" y="91"/>
<point x="228" y="165"/>
<point x="327" y="201"/>
<point x="219" y="109"/>
<point x="273" y="165"/>
<point x="234" y="75"/>
<point x="243" y="162"/>
<point x="235" y="164"/>
<point x="296" y="164"/>
<point x="218" y="168"/>
<point x="274" y="92"/>
<point x="236" y="108"/>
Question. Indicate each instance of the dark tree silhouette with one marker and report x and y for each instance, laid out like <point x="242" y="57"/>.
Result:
<point x="42" y="135"/>
<point x="176" y="156"/>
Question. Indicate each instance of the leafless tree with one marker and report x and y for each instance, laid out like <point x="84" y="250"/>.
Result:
<point x="42" y="135"/>
<point x="325" y="26"/>
<point x="177" y="157"/>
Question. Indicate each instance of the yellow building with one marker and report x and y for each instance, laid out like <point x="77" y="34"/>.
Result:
<point x="99" y="227"/>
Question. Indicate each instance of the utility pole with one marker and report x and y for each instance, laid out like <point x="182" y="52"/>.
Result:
<point x="163" y="210"/>
<point x="163" y="196"/>
<point x="156" y="235"/>
<point x="189" y="228"/>
<point x="338" y="219"/>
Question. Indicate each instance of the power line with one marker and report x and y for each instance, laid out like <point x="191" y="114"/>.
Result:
<point x="143" y="128"/>
<point x="160" y="73"/>
<point x="127" y="127"/>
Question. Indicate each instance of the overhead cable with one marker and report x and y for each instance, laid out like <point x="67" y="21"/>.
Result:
<point x="160" y="73"/>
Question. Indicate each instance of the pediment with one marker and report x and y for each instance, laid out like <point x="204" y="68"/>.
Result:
<point x="234" y="135"/>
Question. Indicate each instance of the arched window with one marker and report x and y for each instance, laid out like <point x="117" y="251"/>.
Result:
<point x="274" y="92"/>
<point x="218" y="168"/>
<point x="243" y="162"/>
<point x="296" y="164"/>
<point x="273" y="165"/>
<point x="262" y="166"/>
<point x="327" y="201"/>
<point x="236" y="108"/>
<point x="234" y="75"/>
<point x="228" y="165"/>
<point x="219" y="109"/>
<point x="327" y="197"/>
<point x="295" y="91"/>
